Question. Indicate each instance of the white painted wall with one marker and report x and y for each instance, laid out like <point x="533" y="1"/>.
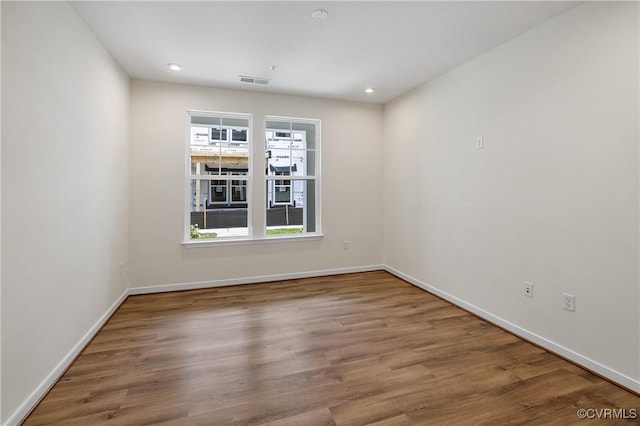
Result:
<point x="65" y="117"/>
<point x="552" y="198"/>
<point x="0" y="222"/>
<point x="351" y="186"/>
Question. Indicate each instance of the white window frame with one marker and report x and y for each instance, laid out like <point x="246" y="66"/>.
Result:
<point x="256" y="184"/>
<point x="317" y="177"/>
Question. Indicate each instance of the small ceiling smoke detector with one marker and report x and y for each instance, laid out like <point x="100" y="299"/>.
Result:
<point x="274" y="68"/>
<point x="174" y="67"/>
<point x="369" y="90"/>
<point x="253" y="80"/>
<point x="319" y="14"/>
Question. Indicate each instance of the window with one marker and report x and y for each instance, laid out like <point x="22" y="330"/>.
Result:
<point x="221" y="203"/>
<point x="218" y="164"/>
<point x="291" y="147"/>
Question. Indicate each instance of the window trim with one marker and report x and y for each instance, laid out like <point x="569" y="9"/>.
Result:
<point x="254" y="183"/>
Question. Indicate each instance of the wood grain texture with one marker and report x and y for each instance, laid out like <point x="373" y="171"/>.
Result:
<point x="356" y="349"/>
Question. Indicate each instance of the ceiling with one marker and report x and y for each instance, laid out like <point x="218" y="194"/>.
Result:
<point x="392" y="46"/>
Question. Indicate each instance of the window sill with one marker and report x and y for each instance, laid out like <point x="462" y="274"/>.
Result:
<point x="249" y="240"/>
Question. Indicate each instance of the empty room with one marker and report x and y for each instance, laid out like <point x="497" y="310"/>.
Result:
<point x="320" y="213"/>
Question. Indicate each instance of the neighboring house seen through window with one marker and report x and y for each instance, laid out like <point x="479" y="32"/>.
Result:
<point x="220" y="187"/>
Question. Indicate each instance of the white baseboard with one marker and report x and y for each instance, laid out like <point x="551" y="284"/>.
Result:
<point x="36" y="396"/>
<point x="615" y="376"/>
<point x="251" y="280"/>
<point x="25" y="408"/>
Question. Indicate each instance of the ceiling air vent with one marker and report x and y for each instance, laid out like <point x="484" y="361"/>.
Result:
<point x="254" y="80"/>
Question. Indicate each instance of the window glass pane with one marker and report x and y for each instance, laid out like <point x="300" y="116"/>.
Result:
<point x="310" y="205"/>
<point x="239" y="191"/>
<point x="215" y="121"/>
<point x="277" y="140"/>
<point x="218" y="134"/>
<point x="217" y="148"/>
<point x="239" y="135"/>
<point x="235" y="122"/>
<point x="218" y="208"/>
<point x="282" y="191"/>
<point x="206" y="163"/>
<point x="280" y="162"/>
<point x="291" y="155"/>
<point x="219" y="155"/>
<point x="310" y="163"/>
<point x="308" y="130"/>
<point x="290" y="206"/>
<point x="278" y="153"/>
<point x="200" y="136"/>
<point x="239" y="143"/>
<point x="296" y="162"/>
<point x="278" y="125"/>
<point x="218" y="193"/>
<point x="298" y="140"/>
<point x="299" y="162"/>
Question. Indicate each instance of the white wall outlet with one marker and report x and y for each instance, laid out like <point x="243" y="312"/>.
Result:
<point x="569" y="302"/>
<point x="121" y="268"/>
<point x="480" y="142"/>
<point x="528" y="289"/>
<point x="345" y="245"/>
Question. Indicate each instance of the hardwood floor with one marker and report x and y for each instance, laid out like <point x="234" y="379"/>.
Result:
<point x="353" y="349"/>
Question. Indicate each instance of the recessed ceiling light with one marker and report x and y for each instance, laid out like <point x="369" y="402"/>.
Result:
<point x="319" y="14"/>
<point x="369" y="90"/>
<point x="174" y="67"/>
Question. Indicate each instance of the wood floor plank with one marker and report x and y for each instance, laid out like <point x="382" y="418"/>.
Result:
<point x="356" y="349"/>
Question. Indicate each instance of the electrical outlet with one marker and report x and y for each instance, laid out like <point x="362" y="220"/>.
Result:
<point x="479" y="142"/>
<point x="121" y="268"/>
<point x="528" y="289"/>
<point x="345" y="245"/>
<point x="569" y="302"/>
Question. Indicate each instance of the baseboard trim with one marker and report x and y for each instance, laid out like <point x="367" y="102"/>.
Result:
<point x="587" y="363"/>
<point x="251" y="280"/>
<point x="36" y="396"/>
